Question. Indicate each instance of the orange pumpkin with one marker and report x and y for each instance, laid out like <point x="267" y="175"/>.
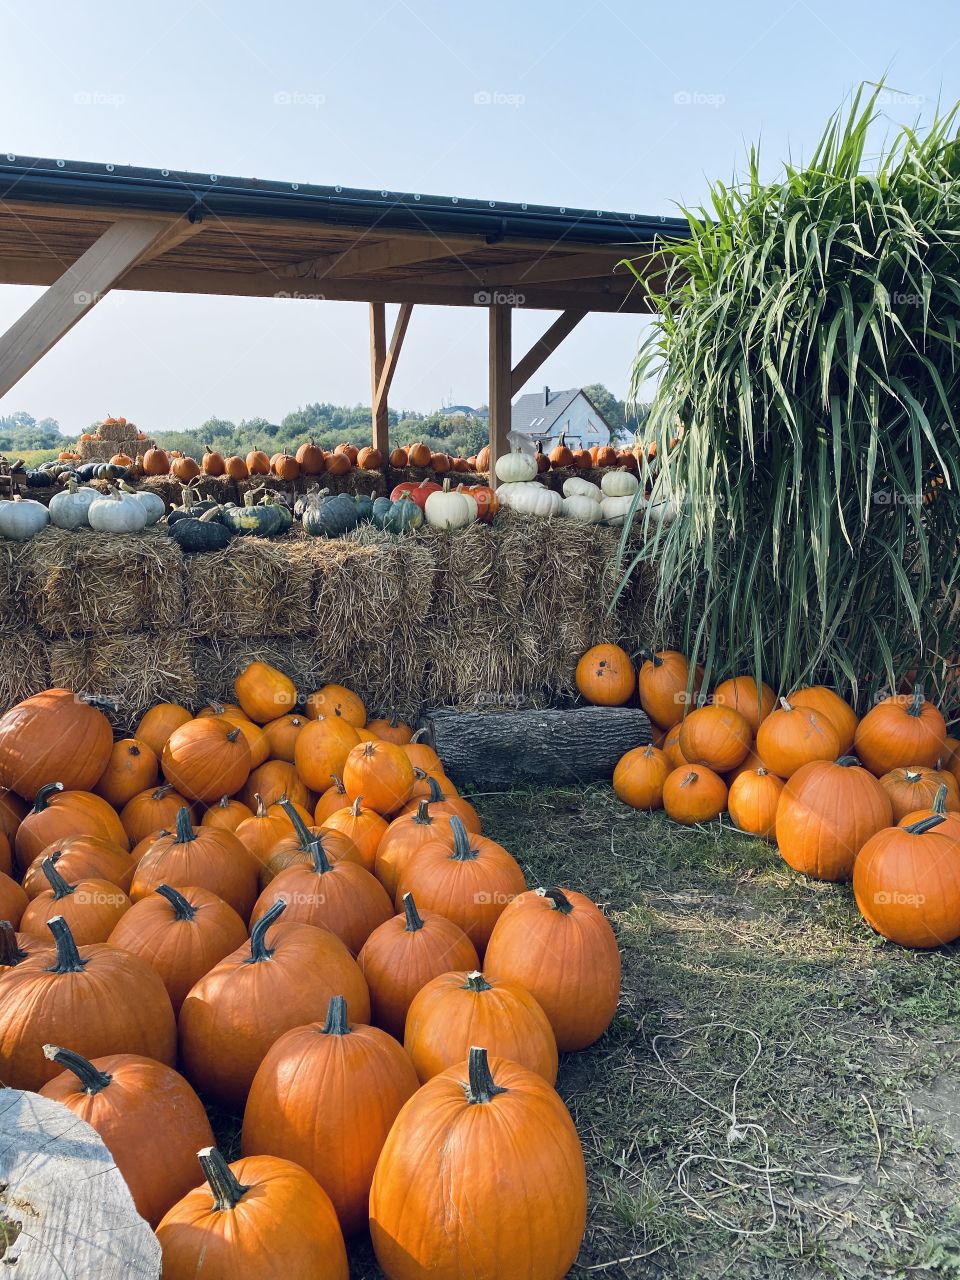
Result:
<point x="827" y="812"/>
<point x="90" y="907"/>
<point x="337" y="700"/>
<point x="639" y="777"/>
<point x="206" y="759"/>
<point x="258" y="464"/>
<point x="133" y="767"/>
<point x="605" y="675"/>
<point x="693" y="793"/>
<point x="402" y="839"/>
<point x="58" y="814"/>
<point x="392" y="730"/>
<point x="913" y="789"/>
<point x="312" y="459"/>
<point x="152" y="811"/>
<point x="264" y="693"/>
<point x="54" y="735"/>
<point x="226" y="814"/>
<point x="381" y="774"/>
<point x="906" y="882"/>
<point x="281" y="735"/>
<point x="901" y="730"/>
<point x="205" y="857"/>
<point x="82" y="858"/>
<point x="791" y="737"/>
<point x="157" y="724"/>
<point x="364" y="827"/>
<point x="752" y="802"/>
<point x="662" y="682"/>
<point x="842" y="716"/>
<point x="752" y="698"/>
<point x="321" y="750"/>
<point x="717" y="736"/>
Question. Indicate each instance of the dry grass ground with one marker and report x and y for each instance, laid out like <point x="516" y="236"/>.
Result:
<point x="850" y="1170"/>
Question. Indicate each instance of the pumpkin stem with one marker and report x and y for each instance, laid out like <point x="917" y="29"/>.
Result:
<point x="216" y="707"/>
<point x="321" y="863"/>
<point x="422" y="816"/>
<point x="162" y="792"/>
<point x="785" y="705"/>
<point x="233" y="735"/>
<point x="89" y="1076"/>
<point x="61" y="888"/>
<point x="68" y="957"/>
<point x="133" y="749"/>
<point x="182" y="909"/>
<point x="185" y="832"/>
<point x="925" y="824"/>
<point x="558" y="900"/>
<point x="357" y="807"/>
<point x="11" y="952"/>
<point x="418" y="735"/>
<point x="476" y="982"/>
<point x="915" y="706"/>
<point x="436" y="791"/>
<point x="308" y="842"/>
<point x="414" y="921"/>
<point x="44" y="794"/>
<point x="462" y="849"/>
<point x="369" y="749"/>
<point x="337" y="1023"/>
<point x="939" y="805"/>
<point x="227" y="1190"/>
<point x="258" y="945"/>
<point x="224" y="802"/>
<point x="482" y="1087"/>
<point x="261" y="807"/>
<point x="846" y="761"/>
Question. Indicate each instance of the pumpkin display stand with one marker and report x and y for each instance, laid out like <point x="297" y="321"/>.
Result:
<point x="548" y="748"/>
<point x="114" y="436"/>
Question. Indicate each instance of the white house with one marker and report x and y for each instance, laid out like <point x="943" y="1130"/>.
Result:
<point x="543" y="415"/>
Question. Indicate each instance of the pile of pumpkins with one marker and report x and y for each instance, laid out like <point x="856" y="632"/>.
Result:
<point x="118" y="510"/>
<point x="610" y="502"/>
<point x="873" y="799"/>
<point x="294" y="916"/>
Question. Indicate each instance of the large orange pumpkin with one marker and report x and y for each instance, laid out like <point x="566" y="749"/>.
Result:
<point x="321" y="750"/>
<point x="483" y="1125"/>
<point x="206" y="759"/>
<point x="901" y="730"/>
<point x="54" y="735"/>
<point x="560" y="947"/>
<point x="458" y="1009"/>
<point x="211" y="859"/>
<point x="337" y="700"/>
<point x="90" y="907"/>
<point x="124" y="1097"/>
<point x="663" y="681"/>
<point x="283" y="978"/>
<point x="403" y="954"/>
<point x="791" y="737"/>
<point x="82" y="858"/>
<point x="58" y="814"/>
<point x="379" y="773"/>
<point x="752" y="698"/>
<point x="132" y="768"/>
<point x="639" y="777"/>
<point x="264" y="693"/>
<point x="951" y="818"/>
<point x="151" y="812"/>
<point x="913" y="789"/>
<point x="818" y="697"/>
<point x="404" y="837"/>
<point x="312" y="459"/>
<point x="752" y="802"/>
<point x="226" y="814"/>
<point x="717" y="736"/>
<point x="219" y="1228"/>
<point x="693" y="793"/>
<point x="827" y="812"/>
<point x="181" y="933"/>
<point x="906" y="881"/>
<point x="96" y="998"/>
<point x="605" y="675"/>
<point x="308" y="1094"/>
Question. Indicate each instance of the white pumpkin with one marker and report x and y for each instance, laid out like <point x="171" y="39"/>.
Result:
<point x="619" y="483"/>
<point x="662" y="512"/>
<point x="585" y="488"/>
<point x="70" y="508"/>
<point x="22" y="518"/>
<point x="531" y="499"/>
<point x="152" y="503"/>
<point x="450" y="508"/>
<point x="615" y="509"/>
<point x="117" y="512"/>
<point x="515" y="467"/>
<point x="579" y="507"/>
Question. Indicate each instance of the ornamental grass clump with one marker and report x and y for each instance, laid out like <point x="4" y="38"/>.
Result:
<point x="805" y="418"/>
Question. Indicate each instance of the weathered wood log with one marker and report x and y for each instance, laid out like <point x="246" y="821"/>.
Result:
<point x="65" y="1210"/>
<point x="551" y="748"/>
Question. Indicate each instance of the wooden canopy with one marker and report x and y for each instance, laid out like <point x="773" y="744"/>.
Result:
<point x="83" y="229"/>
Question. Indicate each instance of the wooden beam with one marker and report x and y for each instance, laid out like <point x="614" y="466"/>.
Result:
<point x="544" y="268"/>
<point x="389" y="366"/>
<point x="606" y="295"/>
<point x="378" y="355"/>
<point x="74" y="292"/>
<point x="501" y="324"/>
<point x="564" y="324"/>
<point x="180" y="231"/>
<point x="363" y="259"/>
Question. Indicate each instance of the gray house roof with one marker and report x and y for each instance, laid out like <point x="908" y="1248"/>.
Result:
<point x="538" y="412"/>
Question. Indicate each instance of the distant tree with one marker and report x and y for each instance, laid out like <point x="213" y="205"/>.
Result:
<point x="608" y="404"/>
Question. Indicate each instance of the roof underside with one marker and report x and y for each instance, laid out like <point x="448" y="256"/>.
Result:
<point x="272" y="239"/>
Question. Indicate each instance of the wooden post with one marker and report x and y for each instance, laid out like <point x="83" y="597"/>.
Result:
<point x="501" y="318"/>
<point x="378" y="356"/>
<point x="79" y="288"/>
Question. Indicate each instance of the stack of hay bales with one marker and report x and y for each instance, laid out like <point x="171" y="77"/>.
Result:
<point x="113" y="436"/>
<point x="491" y="616"/>
<point x="108" y="611"/>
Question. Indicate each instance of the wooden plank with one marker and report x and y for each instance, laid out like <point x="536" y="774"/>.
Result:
<point x="544" y="268"/>
<point x="501" y="326"/>
<point x="564" y="324"/>
<point x="390" y="362"/>
<point x="378" y="355"/>
<point x="73" y="294"/>
<point x="365" y="259"/>
<point x="626" y="297"/>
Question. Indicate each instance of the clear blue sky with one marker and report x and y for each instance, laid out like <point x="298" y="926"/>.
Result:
<point x="588" y="110"/>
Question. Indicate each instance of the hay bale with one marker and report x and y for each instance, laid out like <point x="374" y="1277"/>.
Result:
<point x="219" y="660"/>
<point x="132" y="671"/>
<point x="24" y="666"/>
<point x="82" y="582"/>
<point x="254" y="587"/>
<point x="170" y="490"/>
<point x="372" y="593"/>
<point x="219" y="488"/>
<point x="13" y="609"/>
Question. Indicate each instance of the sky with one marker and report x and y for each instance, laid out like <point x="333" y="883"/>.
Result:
<point x="607" y="104"/>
